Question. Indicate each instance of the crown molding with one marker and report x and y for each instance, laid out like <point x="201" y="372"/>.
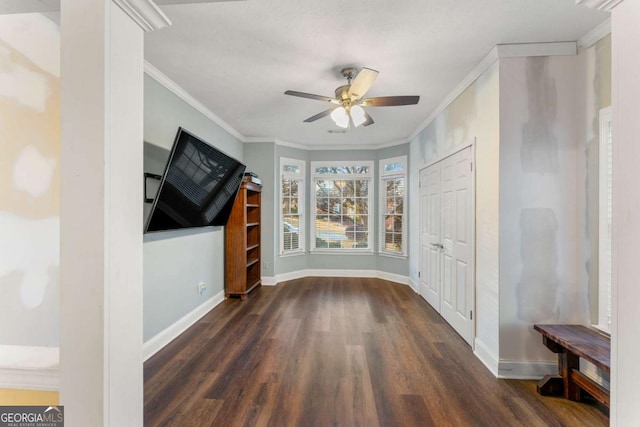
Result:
<point x="537" y="49"/>
<point x="498" y="52"/>
<point x="283" y="143"/>
<point x="604" y="5"/>
<point x="290" y="144"/>
<point x="165" y="81"/>
<point x="258" y="139"/>
<point x="145" y="13"/>
<point x="393" y="143"/>
<point x="594" y="36"/>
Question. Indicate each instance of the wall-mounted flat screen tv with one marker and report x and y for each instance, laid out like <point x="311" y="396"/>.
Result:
<point x="198" y="187"/>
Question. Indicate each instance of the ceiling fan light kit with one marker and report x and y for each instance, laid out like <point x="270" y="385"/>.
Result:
<point x="340" y="117"/>
<point x="349" y="99"/>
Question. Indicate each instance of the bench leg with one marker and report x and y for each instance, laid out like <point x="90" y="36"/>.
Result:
<point x="551" y="385"/>
<point x="568" y="361"/>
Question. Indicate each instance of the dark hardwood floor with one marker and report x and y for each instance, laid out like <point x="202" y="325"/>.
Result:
<point x="337" y="352"/>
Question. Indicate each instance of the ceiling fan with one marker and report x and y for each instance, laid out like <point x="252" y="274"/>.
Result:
<point x="350" y="99"/>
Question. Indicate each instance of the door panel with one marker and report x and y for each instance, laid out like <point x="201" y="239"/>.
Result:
<point x="447" y="214"/>
<point x="430" y="235"/>
<point x="457" y="311"/>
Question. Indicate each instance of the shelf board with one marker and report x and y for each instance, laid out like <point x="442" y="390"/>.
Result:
<point x="256" y="283"/>
<point x="252" y="224"/>
<point x="252" y="261"/>
<point x="253" y="205"/>
<point x="252" y="247"/>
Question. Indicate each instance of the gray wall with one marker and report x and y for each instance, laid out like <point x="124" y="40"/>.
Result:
<point x="295" y="262"/>
<point x="260" y="158"/>
<point x="176" y="262"/>
<point x="264" y="159"/>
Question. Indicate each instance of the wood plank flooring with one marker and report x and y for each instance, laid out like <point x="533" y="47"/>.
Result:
<point x="337" y="352"/>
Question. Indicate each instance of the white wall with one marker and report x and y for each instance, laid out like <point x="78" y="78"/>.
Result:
<point x="540" y="192"/>
<point x="100" y="229"/>
<point x="594" y="93"/>
<point x="29" y="190"/>
<point x="474" y="114"/>
<point x="625" y="345"/>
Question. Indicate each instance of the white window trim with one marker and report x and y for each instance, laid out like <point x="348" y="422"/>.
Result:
<point x="301" y="203"/>
<point x="383" y="198"/>
<point x="604" y="244"/>
<point x="370" y="200"/>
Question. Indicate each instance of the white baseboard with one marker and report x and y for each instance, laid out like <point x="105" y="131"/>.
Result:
<point x="156" y="343"/>
<point x="526" y="370"/>
<point x="488" y="359"/>
<point x="292" y="275"/>
<point x="298" y="274"/>
<point x="414" y="286"/>
<point x="268" y="281"/>
<point x="320" y="272"/>
<point x="513" y="369"/>
<point x="29" y="367"/>
<point x="405" y="280"/>
<point x="30" y="379"/>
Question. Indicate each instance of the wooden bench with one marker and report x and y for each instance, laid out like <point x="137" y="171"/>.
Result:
<point x="572" y="342"/>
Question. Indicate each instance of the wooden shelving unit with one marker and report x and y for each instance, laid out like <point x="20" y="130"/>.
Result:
<point x="242" y="242"/>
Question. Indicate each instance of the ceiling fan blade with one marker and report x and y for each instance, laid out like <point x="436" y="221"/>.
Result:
<point x="369" y="120"/>
<point x="319" y="115"/>
<point x="362" y="83"/>
<point x="390" y="101"/>
<point x="311" y="96"/>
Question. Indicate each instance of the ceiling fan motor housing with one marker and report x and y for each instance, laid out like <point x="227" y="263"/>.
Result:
<point x="349" y="73"/>
<point x="342" y="93"/>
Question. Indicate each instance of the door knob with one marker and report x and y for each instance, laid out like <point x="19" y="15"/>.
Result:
<point x="438" y="245"/>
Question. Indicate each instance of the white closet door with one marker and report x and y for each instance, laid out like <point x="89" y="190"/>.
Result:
<point x="430" y="235"/>
<point x="457" y="254"/>
<point x="446" y="240"/>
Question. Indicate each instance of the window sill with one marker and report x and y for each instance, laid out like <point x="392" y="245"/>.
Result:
<point x="292" y="254"/>
<point x="390" y="255"/>
<point x="341" y="252"/>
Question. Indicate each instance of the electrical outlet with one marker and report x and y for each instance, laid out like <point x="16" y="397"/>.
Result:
<point x="201" y="288"/>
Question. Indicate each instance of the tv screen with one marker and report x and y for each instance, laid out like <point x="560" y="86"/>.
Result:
<point x="198" y="187"/>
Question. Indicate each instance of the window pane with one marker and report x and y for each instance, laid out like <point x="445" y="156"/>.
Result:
<point x="290" y="203"/>
<point x="361" y="206"/>
<point x="285" y="206"/>
<point x="321" y="190"/>
<point x="291" y="232"/>
<point x="342" y="209"/>
<point x="362" y="188"/>
<point x="286" y="187"/>
<point x="291" y="168"/>
<point x="393" y="167"/>
<point x="322" y="206"/>
<point x="340" y="170"/>
<point x="348" y="189"/>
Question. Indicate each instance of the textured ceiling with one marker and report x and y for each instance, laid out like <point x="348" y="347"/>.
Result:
<point x="237" y="58"/>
